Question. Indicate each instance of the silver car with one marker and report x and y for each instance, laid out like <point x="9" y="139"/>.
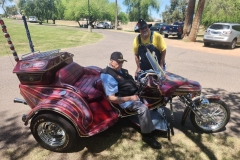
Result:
<point x="222" y="33"/>
<point x="103" y="25"/>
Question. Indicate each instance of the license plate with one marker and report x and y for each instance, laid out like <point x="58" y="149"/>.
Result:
<point x="215" y="32"/>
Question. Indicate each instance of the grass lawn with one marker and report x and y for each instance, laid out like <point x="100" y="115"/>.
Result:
<point x="44" y="37"/>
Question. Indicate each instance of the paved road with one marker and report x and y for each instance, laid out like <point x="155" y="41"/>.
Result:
<point x="218" y="73"/>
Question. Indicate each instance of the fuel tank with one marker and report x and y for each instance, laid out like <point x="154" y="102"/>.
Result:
<point x="174" y="85"/>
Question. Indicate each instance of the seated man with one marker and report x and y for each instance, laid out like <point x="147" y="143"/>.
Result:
<point x="121" y="89"/>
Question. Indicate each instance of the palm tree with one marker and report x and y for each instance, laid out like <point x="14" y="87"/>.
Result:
<point x="189" y="18"/>
<point x="196" y="21"/>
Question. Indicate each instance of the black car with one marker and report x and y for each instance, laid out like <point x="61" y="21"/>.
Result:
<point x="159" y="27"/>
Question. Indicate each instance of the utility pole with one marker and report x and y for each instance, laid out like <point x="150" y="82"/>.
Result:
<point x="89" y="25"/>
<point x="116" y="15"/>
<point x="139" y="15"/>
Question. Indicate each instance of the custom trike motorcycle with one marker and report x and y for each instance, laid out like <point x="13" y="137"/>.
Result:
<point x="67" y="100"/>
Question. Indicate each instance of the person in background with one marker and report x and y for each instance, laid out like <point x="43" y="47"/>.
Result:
<point x="121" y="89"/>
<point x="148" y="40"/>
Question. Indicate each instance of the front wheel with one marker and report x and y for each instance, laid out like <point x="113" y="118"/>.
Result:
<point x="213" y="117"/>
<point x="53" y="132"/>
<point x="166" y="35"/>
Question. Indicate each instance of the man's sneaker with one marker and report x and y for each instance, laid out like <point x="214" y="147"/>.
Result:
<point x="152" y="142"/>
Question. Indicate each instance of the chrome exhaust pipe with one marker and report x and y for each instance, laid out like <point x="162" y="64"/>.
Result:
<point x="17" y="100"/>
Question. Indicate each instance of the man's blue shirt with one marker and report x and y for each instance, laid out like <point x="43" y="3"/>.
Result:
<point x="111" y="87"/>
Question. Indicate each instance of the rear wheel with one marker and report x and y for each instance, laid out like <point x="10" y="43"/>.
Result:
<point x="180" y="36"/>
<point x="212" y="117"/>
<point x="233" y="44"/>
<point x="166" y="35"/>
<point x="53" y="132"/>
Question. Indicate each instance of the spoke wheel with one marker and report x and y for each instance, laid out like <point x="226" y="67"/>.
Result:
<point x="214" y="117"/>
<point x="53" y="132"/>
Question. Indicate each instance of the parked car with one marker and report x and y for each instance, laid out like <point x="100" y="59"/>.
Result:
<point x="104" y="25"/>
<point x="32" y="19"/>
<point x="176" y="29"/>
<point x="222" y="33"/>
<point x="159" y="27"/>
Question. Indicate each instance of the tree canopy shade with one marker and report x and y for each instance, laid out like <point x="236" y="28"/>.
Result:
<point x="221" y="11"/>
<point x="141" y="8"/>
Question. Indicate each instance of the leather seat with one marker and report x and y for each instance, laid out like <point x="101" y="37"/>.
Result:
<point x="82" y="79"/>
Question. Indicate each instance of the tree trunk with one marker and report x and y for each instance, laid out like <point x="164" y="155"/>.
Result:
<point x="79" y="23"/>
<point x="196" y="21"/>
<point x="53" y="21"/>
<point x="116" y="15"/>
<point x="189" y="18"/>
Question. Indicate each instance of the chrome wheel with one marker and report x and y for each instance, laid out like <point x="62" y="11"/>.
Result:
<point x="51" y="134"/>
<point x="54" y="132"/>
<point x="211" y="118"/>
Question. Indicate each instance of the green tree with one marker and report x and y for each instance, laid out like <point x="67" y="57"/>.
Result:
<point x="221" y="11"/>
<point x="123" y="17"/>
<point x="141" y="8"/>
<point x="60" y="7"/>
<point x="11" y="10"/>
<point x="3" y="6"/>
<point x="21" y="4"/>
<point x="43" y="9"/>
<point x="176" y="11"/>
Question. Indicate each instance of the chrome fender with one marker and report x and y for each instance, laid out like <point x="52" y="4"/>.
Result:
<point x="195" y="99"/>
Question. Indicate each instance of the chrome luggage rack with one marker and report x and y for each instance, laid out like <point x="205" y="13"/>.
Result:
<point x="40" y="55"/>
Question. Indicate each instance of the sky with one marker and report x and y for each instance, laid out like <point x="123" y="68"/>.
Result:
<point x="154" y="14"/>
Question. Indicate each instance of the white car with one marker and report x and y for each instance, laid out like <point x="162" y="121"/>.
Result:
<point x="222" y="33"/>
<point x="32" y="19"/>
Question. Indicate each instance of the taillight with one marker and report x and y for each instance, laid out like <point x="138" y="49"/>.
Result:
<point x="179" y="29"/>
<point x="227" y="32"/>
